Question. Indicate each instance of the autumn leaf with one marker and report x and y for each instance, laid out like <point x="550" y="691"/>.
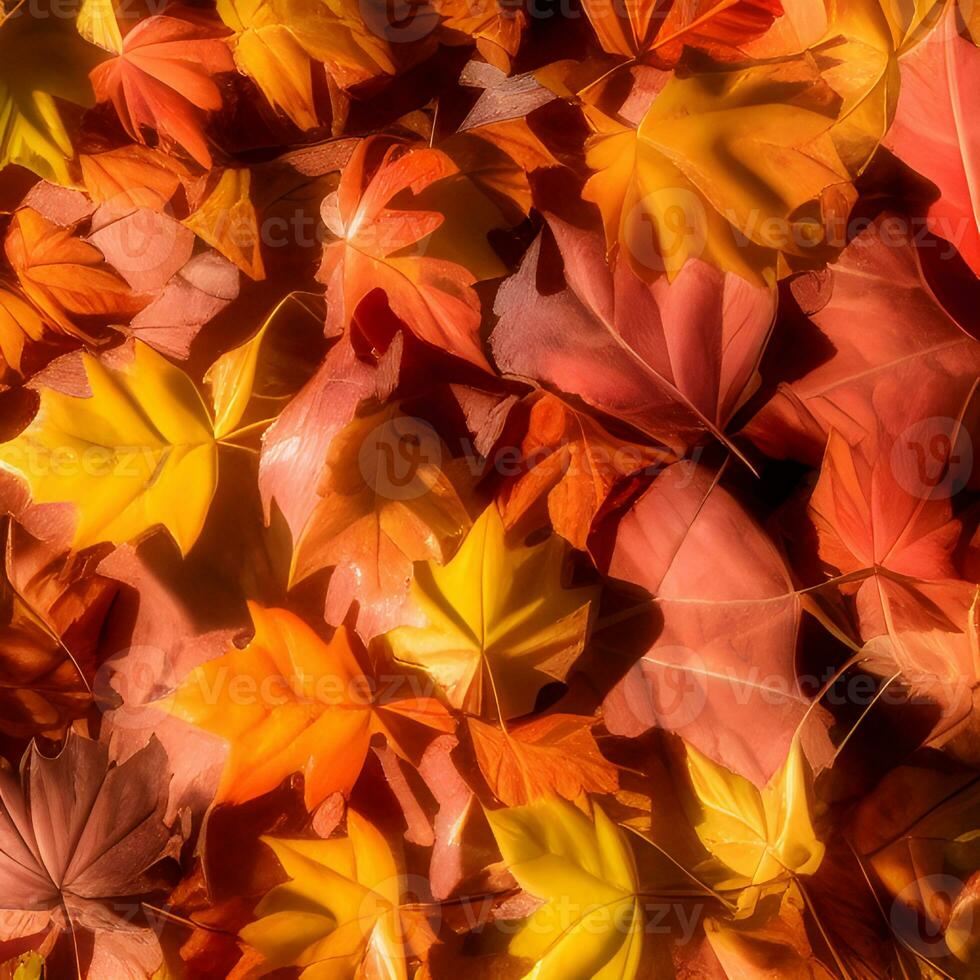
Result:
<point x="915" y="834"/>
<point x="20" y="325"/>
<point x="495" y="26"/>
<point x="386" y="501"/>
<point x="878" y="280"/>
<point x="288" y="702"/>
<point x="555" y="755"/>
<point x="343" y="912"/>
<point x="648" y="343"/>
<point x="669" y="191"/>
<point x="382" y="246"/>
<point x="262" y="374"/>
<point x="43" y="59"/>
<point x="63" y="275"/>
<point x="268" y="52"/>
<point x="717" y="27"/>
<point x="573" y="464"/>
<point x="773" y="939"/>
<point x="199" y="290"/>
<point x="132" y="176"/>
<point x="51" y="616"/>
<point x="133" y="450"/>
<point x="337" y="34"/>
<point x="324" y="405"/>
<point x="934" y="133"/>
<point x="762" y="836"/>
<point x="724" y="658"/>
<point x="28" y="966"/>
<point x="887" y="523"/>
<point x="226" y="220"/>
<point x="499" y="626"/>
<point x="584" y="871"/>
<point x="79" y="833"/>
<point x="162" y="80"/>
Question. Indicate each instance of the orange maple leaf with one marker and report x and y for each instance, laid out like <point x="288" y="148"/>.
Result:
<point x="162" y="80"/>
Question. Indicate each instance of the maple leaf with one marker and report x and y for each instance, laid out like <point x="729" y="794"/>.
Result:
<point x="573" y="466"/>
<point x="382" y="246"/>
<point x="132" y="450"/>
<point x="749" y="169"/>
<point x="583" y="868"/>
<point x="42" y="59"/>
<point x="498" y="624"/>
<point x="893" y="532"/>
<point x="386" y="501"/>
<point x="288" y="702"/>
<point x="879" y="281"/>
<point x="78" y="833"/>
<point x="647" y="343"/>
<point x="62" y="275"/>
<point x="760" y="835"/>
<point x="337" y="33"/>
<point x="268" y="52"/>
<point x="555" y="755"/>
<point x="935" y="135"/>
<point x="343" y="912"/>
<point x="162" y="80"/>
<point x="725" y="656"/>
<point x="717" y="27"/>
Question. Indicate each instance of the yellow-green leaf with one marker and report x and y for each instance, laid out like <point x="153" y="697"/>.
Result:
<point x="42" y="58"/>
<point x="138" y="452"/>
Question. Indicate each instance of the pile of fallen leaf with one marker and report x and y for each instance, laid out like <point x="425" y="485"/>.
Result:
<point x="489" y="489"/>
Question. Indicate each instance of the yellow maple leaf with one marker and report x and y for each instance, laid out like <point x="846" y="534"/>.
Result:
<point x="499" y="621"/>
<point x="342" y="913"/>
<point x="591" y="924"/>
<point x="763" y="836"/>
<point x="138" y="452"/>
<point x="750" y="169"/>
<point x="267" y="51"/>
